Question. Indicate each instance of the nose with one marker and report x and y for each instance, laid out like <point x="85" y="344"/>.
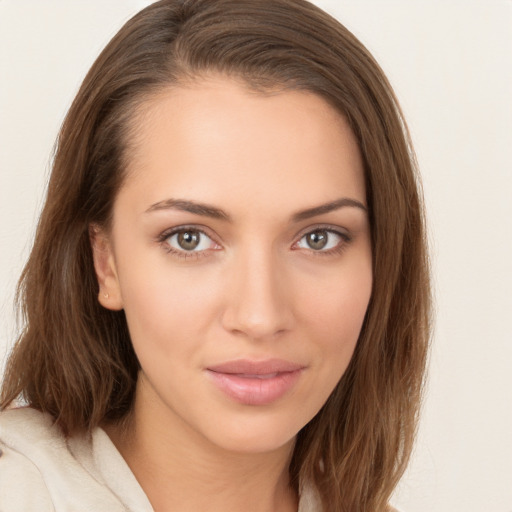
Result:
<point x="259" y="303"/>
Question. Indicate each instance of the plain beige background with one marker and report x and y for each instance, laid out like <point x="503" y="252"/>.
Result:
<point x="451" y="65"/>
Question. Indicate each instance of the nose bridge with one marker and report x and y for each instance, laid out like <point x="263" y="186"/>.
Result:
<point x="258" y="306"/>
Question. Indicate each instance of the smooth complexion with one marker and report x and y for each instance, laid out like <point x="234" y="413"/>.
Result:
<point x="240" y="252"/>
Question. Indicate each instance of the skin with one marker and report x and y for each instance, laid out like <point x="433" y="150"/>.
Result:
<point x="253" y="289"/>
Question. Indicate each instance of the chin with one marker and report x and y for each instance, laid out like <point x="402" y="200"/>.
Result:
<point x="253" y="435"/>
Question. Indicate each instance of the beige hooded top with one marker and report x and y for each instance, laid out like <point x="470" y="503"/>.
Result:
<point x="42" y="471"/>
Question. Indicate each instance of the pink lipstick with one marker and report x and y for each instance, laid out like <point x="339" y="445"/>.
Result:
<point x="255" y="382"/>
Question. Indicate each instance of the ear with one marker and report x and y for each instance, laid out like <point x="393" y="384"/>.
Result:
<point x="109" y="295"/>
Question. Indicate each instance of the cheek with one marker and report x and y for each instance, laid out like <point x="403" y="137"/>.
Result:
<point x="340" y="301"/>
<point x="332" y="314"/>
<point x="335" y="314"/>
<point x="167" y="308"/>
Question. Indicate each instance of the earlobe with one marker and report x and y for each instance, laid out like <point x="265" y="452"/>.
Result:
<point x="109" y="295"/>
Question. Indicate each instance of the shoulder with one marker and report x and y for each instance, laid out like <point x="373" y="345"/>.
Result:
<point x="25" y="425"/>
<point x="39" y="471"/>
<point x="22" y="484"/>
<point x="309" y="499"/>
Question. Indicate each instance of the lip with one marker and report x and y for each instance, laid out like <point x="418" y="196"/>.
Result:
<point x="255" y="382"/>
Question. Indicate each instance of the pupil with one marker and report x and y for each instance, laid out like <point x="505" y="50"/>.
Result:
<point x="317" y="240"/>
<point x="188" y="240"/>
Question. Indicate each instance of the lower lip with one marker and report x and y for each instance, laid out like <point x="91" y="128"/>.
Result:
<point x="255" y="390"/>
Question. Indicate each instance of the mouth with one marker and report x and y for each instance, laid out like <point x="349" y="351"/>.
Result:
<point x="255" y="382"/>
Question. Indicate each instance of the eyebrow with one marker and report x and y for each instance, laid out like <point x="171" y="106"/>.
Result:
<point x="202" y="209"/>
<point x="328" y="207"/>
<point x="207" y="210"/>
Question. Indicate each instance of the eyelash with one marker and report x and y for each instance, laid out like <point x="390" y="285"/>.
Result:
<point x="345" y="240"/>
<point x="163" y="238"/>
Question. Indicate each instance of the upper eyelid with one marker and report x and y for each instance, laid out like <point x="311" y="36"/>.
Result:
<point x="192" y="227"/>
<point x="344" y="232"/>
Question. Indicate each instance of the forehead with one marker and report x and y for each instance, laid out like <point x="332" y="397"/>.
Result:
<point x="218" y="141"/>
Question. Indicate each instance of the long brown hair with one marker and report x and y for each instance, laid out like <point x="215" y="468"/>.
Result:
<point x="74" y="359"/>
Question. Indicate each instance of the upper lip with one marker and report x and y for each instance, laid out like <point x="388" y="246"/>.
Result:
<point x="250" y="367"/>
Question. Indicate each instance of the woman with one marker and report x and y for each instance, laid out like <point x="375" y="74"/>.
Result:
<point x="227" y="300"/>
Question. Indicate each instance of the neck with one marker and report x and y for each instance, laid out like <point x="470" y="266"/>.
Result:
<point x="179" y="469"/>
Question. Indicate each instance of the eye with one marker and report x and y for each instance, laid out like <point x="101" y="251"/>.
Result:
<point x="189" y="240"/>
<point x="321" y="240"/>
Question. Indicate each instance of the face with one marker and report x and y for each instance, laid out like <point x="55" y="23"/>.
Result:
<point x="240" y="252"/>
